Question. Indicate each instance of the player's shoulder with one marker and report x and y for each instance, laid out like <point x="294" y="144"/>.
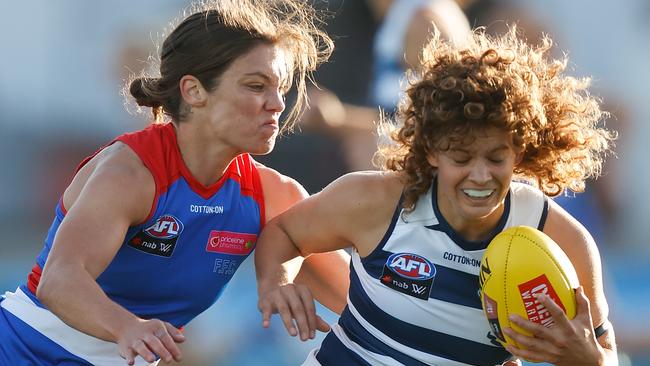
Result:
<point x="569" y="233"/>
<point x="369" y="182"/>
<point x="118" y="159"/>
<point x="275" y="182"/>
<point x="114" y="174"/>
<point x="364" y="190"/>
<point x="280" y="190"/>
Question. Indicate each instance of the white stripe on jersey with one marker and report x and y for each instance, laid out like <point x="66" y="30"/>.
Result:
<point x="94" y="350"/>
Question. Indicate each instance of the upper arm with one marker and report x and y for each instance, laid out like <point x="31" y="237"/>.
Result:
<point x="581" y="249"/>
<point x="112" y="192"/>
<point x="353" y="211"/>
<point x="280" y="191"/>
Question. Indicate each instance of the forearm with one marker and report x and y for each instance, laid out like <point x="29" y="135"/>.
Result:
<point x="328" y="277"/>
<point x="73" y="295"/>
<point x="276" y="258"/>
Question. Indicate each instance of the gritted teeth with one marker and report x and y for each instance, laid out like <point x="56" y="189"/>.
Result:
<point x="478" y="193"/>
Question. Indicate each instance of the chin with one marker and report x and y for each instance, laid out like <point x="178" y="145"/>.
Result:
<point x="262" y="150"/>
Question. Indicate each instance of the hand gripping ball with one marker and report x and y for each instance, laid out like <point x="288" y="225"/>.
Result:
<point x="518" y="263"/>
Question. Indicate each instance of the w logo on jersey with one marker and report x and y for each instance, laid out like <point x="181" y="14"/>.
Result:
<point x="166" y="227"/>
<point x="409" y="274"/>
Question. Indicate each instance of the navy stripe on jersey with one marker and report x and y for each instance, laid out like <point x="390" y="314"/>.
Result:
<point x="444" y="226"/>
<point x="333" y="353"/>
<point x="449" y="285"/>
<point x="413" y="336"/>
<point x="358" y="334"/>
<point x="542" y="220"/>
<point x="456" y="287"/>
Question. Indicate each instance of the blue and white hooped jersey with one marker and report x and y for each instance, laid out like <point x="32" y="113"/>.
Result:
<point x="415" y="299"/>
<point x="171" y="267"/>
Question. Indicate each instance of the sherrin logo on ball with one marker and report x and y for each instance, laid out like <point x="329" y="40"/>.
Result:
<point x="519" y="263"/>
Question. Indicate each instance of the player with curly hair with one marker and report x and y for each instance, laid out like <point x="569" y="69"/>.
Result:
<point x="489" y="129"/>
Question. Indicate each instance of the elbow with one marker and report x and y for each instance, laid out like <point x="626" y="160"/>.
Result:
<point x="43" y="290"/>
<point x="48" y="285"/>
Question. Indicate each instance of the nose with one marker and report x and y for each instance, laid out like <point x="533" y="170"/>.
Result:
<point x="480" y="173"/>
<point x="275" y="102"/>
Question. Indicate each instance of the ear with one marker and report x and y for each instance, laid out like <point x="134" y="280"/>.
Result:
<point x="192" y="91"/>
<point x="432" y="158"/>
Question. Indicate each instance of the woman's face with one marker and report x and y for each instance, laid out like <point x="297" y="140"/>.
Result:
<point x="245" y="107"/>
<point x="474" y="178"/>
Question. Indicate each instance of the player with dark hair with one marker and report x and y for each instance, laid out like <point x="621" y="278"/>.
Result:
<point x="153" y="225"/>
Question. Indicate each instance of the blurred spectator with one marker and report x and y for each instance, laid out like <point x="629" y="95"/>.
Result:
<point x="403" y="26"/>
<point x="346" y="77"/>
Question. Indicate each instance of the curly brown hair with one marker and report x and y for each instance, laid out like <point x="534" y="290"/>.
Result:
<point x="497" y="82"/>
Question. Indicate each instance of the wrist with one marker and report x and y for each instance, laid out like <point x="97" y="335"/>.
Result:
<point x="117" y="327"/>
<point x="269" y="284"/>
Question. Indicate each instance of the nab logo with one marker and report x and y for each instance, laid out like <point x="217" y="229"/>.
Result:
<point x="411" y="266"/>
<point x="160" y="238"/>
<point x="166" y="227"/>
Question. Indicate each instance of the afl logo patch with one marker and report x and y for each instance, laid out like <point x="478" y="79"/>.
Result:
<point x="166" y="227"/>
<point x="160" y="238"/>
<point x="411" y="266"/>
<point x="410" y="274"/>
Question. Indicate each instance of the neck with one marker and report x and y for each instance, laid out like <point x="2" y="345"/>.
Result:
<point x="204" y="156"/>
<point x="477" y="229"/>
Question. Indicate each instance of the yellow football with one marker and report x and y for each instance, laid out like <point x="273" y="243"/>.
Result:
<point x="518" y="263"/>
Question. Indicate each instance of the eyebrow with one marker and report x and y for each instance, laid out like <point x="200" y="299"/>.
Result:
<point x="258" y="73"/>
<point x="282" y="82"/>
<point x="463" y="150"/>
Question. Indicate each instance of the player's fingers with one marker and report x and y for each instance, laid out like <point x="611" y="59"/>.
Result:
<point x="129" y="356"/>
<point x="284" y="311"/>
<point x="175" y="333"/>
<point x="524" y="354"/>
<point x="298" y="312"/>
<point x="310" y="310"/>
<point x="155" y="344"/>
<point x="526" y="342"/>
<point x="169" y="344"/>
<point x="559" y="317"/>
<point x="266" y="309"/>
<point x="583" y="306"/>
<point x="536" y="329"/>
<point x="322" y="324"/>
<point x="141" y="349"/>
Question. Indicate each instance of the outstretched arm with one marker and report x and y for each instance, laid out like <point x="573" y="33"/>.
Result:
<point x="112" y="192"/>
<point x="345" y="214"/>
